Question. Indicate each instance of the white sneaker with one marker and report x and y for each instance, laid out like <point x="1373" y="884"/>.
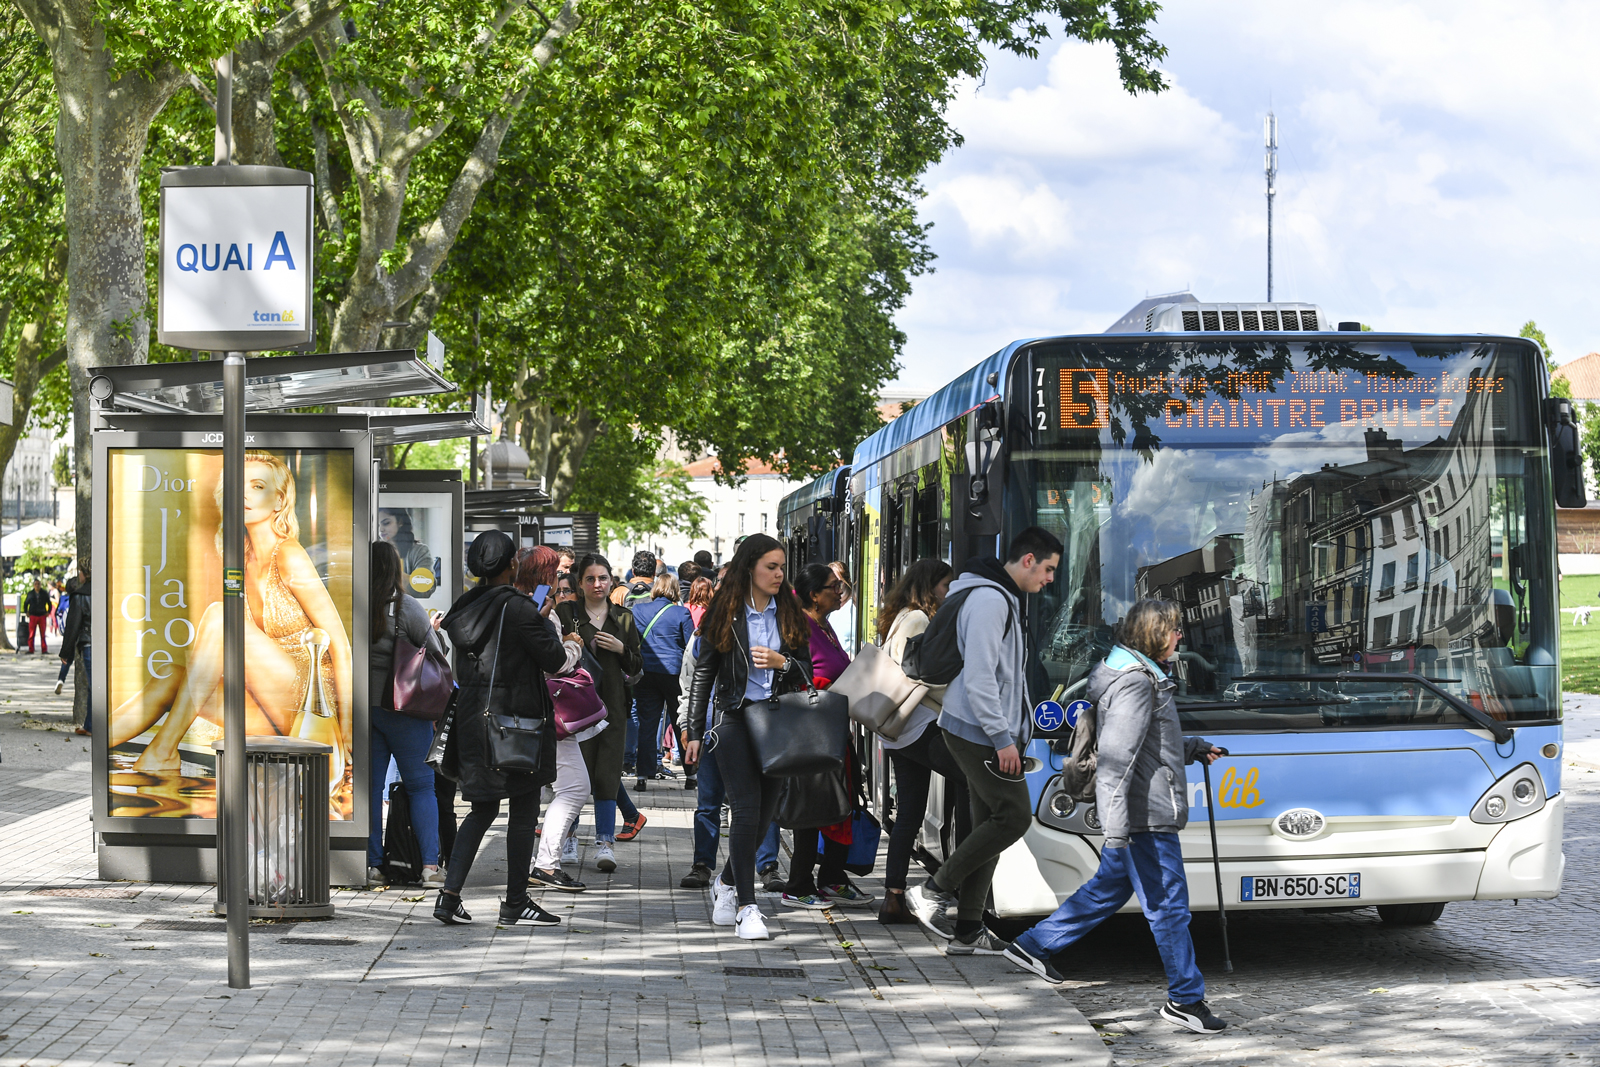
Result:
<point x="433" y="876"/>
<point x="569" y="850"/>
<point x="59" y="684"/>
<point x="604" y="858"/>
<point x="752" y="927"/>
<point x="724" y="903"/>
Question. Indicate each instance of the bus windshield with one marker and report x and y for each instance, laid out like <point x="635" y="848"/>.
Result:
<point x="1318" y="509"/>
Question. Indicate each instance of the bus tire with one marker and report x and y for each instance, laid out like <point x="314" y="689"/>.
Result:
<point x="1410" y="914"/>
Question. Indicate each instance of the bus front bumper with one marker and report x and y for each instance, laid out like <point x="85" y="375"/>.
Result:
<point x="1524" y="859"/>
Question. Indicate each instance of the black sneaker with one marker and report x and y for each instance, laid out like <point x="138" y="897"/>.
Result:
<point x="450" y="916"/>
<point x="699" y="877"/>
<point x="1196" y="1017"/>
<point x="627" y="769"/>
<point x="527" y="912"/>
<point x="640" y="784"/>
<point x="980" y="943"/>
<point x="772" y="880"/>
<point x="556" y="879"/>
<point x="1029" y="962"/>
<point x="691" y="781"/>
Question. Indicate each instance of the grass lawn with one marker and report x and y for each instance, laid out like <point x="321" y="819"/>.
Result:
<point x="1580" y="645"/>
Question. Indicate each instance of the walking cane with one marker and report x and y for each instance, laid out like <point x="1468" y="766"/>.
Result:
<point x="1216" y="864"/>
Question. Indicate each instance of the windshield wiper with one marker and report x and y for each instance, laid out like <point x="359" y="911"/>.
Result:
<point x="1499" y="730"/>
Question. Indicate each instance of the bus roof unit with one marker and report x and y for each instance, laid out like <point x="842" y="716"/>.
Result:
<point x="1182" y="313"/>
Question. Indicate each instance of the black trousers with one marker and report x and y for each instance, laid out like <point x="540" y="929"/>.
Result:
<point x="524" y="814"/>
<point x="914" y="765"/>
<point x="801" y="881"/>
<point x="752" y="796"/>
<point x="444" y="790"/>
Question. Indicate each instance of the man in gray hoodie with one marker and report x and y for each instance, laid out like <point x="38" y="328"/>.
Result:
<point x="986" y="728"/>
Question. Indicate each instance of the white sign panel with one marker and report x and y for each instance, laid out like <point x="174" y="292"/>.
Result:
<point x="235" y="258"/>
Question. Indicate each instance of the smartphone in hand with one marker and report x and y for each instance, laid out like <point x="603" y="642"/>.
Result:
<point x="539" y="596"/>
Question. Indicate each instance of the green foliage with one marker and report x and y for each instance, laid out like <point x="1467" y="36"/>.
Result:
<point x="61" y="467"/>
<point x="637" y="498"/>
<point x="1558" y="386"/>
<point x="46" y="555"/>
<point x="436" y="456"/>
<point x="185" y="33"/>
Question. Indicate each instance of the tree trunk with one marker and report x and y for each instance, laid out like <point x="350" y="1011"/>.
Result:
<point x="568" y="442"/>
<point x="104" y="122"/>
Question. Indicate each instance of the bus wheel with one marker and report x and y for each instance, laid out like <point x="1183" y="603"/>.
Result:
<point x="1410" y="914"/>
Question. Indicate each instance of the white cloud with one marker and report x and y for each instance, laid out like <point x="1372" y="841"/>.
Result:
<point x="1435" y="176"/>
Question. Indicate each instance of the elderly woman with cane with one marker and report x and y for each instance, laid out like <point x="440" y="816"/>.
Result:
<point x="1141" y="795"/>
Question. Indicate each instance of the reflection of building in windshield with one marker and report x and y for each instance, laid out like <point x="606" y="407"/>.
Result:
<point x="1384" y="564"/>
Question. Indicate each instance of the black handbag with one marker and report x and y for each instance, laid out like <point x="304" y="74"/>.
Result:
<point x="812" y="800"/>
<point x="799" y="733"/>
<point x="514" y="743"/>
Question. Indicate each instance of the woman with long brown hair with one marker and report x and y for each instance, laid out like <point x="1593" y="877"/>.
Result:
<point x="390" y="733"/>
<point x="754" y="645"/>
<point x="919" y="752"/>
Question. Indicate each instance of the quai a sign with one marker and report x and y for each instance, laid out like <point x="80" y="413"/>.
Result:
<point x="236" y="266"/>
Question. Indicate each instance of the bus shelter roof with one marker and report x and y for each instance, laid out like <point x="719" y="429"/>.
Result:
<point x="488" y="502"/>
<point x="272" y="383"/>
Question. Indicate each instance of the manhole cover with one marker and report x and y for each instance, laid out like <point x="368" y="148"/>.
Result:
<point x="183" y="924"/>
<point x="318" y="941"/>
<point x="764" y="972"/>
<point x="97" y="892"/>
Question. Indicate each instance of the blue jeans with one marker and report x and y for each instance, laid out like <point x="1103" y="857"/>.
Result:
<point x="605" y="812"/>
<point x="407" y="740"/>
<point x="1151" y="867"/>
<point x="708" y="819"/>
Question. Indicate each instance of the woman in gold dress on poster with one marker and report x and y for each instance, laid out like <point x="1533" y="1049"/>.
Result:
<point x="291" y="625"/>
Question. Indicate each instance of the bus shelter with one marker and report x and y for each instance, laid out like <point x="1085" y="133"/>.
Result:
<point x="312" y="505"/>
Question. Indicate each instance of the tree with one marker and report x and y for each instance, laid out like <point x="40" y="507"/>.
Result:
<point x="112" y="76"/>
<point x="1558" y="386"/>
<point x="32" y="238"/>
<point x="636" y="496"/>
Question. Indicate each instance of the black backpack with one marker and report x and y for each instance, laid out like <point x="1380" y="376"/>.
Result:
<point x="934" y="655"/>
<point x="402" y="854"/>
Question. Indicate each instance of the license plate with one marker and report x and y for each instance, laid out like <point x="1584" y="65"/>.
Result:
<point x="1299" y="887"/>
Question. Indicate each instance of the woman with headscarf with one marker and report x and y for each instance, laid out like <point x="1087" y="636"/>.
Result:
<point x="505" y="647"/>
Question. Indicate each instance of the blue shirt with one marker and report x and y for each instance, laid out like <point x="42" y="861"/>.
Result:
<point x="665" y="629"/>
<point x="763" y="628"/>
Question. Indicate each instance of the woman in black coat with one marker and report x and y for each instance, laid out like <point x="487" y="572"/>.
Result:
<point x="608" y="631"/>
<point x="754" y="644"/>
<point x="504" y="647"/>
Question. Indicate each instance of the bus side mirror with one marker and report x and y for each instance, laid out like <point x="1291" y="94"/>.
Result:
<point x="1566" y="454"/>
<point x="979" y="489"/>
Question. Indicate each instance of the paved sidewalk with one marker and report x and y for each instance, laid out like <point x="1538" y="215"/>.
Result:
<point x="132" y="973"/>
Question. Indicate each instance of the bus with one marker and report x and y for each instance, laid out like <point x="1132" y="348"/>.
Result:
<point x="813" y="520"/>
<point x="1359" y="528"/>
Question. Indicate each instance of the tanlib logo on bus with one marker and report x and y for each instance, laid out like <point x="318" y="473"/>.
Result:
<point x="1238" y="790"/>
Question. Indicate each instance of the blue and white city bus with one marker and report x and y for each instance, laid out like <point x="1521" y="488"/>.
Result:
<point x="1359" y="527"/>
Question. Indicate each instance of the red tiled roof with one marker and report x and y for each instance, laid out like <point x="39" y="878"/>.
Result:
<point x="1583" y="374"/>
<point x="710" y="466"/>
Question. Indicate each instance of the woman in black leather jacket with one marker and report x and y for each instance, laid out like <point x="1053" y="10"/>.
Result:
<point x="504" y="649"/>
<point x="754" y="645"/>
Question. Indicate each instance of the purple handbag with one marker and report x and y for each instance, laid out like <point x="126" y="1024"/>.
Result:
<point x="577" y="702"/>
<point x="421" y="683"/>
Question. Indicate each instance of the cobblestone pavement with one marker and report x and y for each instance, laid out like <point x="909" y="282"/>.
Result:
<point x="1491" y="982"/>
<point x="94" y="972"/>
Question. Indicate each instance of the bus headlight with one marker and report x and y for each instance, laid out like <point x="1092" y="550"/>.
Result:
<point x="1060" y="810"/>
<point x="1515" y="796"/>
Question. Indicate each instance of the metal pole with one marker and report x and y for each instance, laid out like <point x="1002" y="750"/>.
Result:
<point x="1216" y="865"/>
<point x="1272" y="189"/>
<point x="234" y="810"/>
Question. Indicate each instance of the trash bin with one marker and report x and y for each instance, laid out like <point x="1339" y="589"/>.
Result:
<point x="287" y="780"/>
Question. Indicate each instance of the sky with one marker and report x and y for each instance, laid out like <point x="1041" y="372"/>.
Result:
<point x="1437" y="167"/>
